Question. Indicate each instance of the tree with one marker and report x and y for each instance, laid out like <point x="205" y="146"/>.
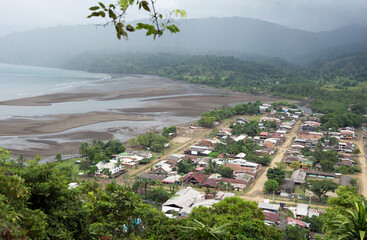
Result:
<point x="346" y="195"/>
<point x="315" y="223"/>
<point x="295" y="165"/>
<point x="296" y="233"/>
<point x="83" y="149"/>
<point x="207" y="122"/>
<point x="226" y="172"/>
<point x="198" y="230"/>
<point x="277" y="174"/>
<point x="350" y="223"/>
<point x="58" y="157"/>
<point x="271" y="185"/>
<point x="114" y="14"/>
<point x="84" y="165"/>
<point x="243" y="220"/>
<point x="326" y="165"/>
<point x="320" y="187"/>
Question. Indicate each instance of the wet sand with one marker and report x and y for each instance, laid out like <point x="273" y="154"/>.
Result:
<point x="150" y="105"/>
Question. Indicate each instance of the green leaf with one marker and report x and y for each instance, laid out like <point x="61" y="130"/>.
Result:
<point x="102" y="14"/>
<point x="94" y="14"/>
<point x="145" y="5"/>
<point x="102" y="5"/>
<point x="123" y="4"/>
<point x="94" y="8"/>
<point x="130" y="28"/>
<point x="111" y="14"/>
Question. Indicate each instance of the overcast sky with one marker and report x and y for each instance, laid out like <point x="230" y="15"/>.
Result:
<point x="310" y="15"/>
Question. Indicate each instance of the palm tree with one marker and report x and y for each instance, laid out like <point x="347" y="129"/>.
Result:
<point x="351" y="223"/>
<point x="198" y="230"/>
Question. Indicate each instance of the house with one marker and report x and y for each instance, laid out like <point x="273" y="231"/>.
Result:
<point x="197" y="178"/>
<point x="307" y="127"/>
<point x="310" y="135"/>
<point x="271" y="218"/>
<point x="112" y="166"/>
<point x="263" y="135"/>
<point x="295" y="222"/>
<point x="174" y="159"/>
<point x="306" y="164"/>
<point x="286" y="187"/>
<point x="302" y="210"/>
<point x="313" y="123"/>
<point x="212" y="143"/>
<point x="237" y="184"/>
<point x="268" y="206"/>
<point x="269" y="119"/>
<point x="181" y="203"/>
<point x="298" y="176"/>
<point x="210" y="183"/>
<point x="241" y="165"/>
<point x="347" y="134"/>
<point x="241" y="155"/>
<point x="163" y="167"/>
<point x="318" y="174"/>
<point x="153" y="177"/>
<point x="199" y="150"/>
<point x="241" y="137"/>
<point x="172" y="179"/>
<point x="271" y="142"/>
<point x="186" y="199"/>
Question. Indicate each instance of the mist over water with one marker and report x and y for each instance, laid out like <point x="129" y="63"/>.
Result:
<point x="18" y="81"/>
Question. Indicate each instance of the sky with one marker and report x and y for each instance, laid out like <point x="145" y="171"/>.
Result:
<point x="309" y="15"/>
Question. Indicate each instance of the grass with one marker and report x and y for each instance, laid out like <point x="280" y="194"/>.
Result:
<point x="70" y="163"/>
<point x="298" y="189"/>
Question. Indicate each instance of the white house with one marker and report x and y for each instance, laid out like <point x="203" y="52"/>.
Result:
<point x="113" y="166"/>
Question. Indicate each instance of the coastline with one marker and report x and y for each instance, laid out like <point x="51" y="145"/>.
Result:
<point x="120" y="107"/>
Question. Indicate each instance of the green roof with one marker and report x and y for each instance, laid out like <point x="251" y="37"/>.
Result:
<point x="307" y="162"/>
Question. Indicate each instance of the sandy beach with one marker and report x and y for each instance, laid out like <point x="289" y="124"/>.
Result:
<point x="107" y="109"/>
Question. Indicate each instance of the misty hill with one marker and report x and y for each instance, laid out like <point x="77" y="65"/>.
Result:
<point x="352" y="65"/>
<point x="221" y="36"/>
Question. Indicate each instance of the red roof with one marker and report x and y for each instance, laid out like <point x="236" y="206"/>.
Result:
<point x="273" y="217"/>
<point x="199" y="177"/>
<point x="187" y="175"/>
<point x="264" y="133"/>
<point x="294" y="222"/>
<point x="199" y="168"/>
<point x="210" y="182"/>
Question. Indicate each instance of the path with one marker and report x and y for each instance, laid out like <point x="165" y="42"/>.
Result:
<point x="256" y="193"/>
<point x="363" y="165"/>
<point x="181" y="147"/>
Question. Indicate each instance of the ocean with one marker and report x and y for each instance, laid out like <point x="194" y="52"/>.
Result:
<point x="17" y="81"/>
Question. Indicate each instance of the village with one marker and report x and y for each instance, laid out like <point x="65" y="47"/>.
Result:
<point x="280" y="157"/>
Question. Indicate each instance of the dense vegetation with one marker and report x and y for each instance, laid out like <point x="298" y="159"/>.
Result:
<point x="208" y="119"/>
<point x="36" y="203"/>
<point x="152" y="141"/>
<point x="100" y="151"/>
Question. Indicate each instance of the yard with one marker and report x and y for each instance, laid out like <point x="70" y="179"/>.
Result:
<point x="70" y="163"/>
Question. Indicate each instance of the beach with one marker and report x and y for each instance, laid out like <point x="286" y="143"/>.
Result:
<point x="122" y="107"/>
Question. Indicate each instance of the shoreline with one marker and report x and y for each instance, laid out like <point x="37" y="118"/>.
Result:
<point x="121" y="107"/>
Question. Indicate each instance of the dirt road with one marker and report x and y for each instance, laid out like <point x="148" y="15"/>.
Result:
<point x="363" y="165"/>
<point x="256" y="193"/>
<point x="197" y="136"/>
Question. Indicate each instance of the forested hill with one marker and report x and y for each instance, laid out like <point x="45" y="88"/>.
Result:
<point x="353" y="66"/>
<point x="213" y="36"/>
<point x="216" y="71"/>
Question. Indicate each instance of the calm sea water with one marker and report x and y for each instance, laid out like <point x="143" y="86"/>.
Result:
<point x="23" y="81"/>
